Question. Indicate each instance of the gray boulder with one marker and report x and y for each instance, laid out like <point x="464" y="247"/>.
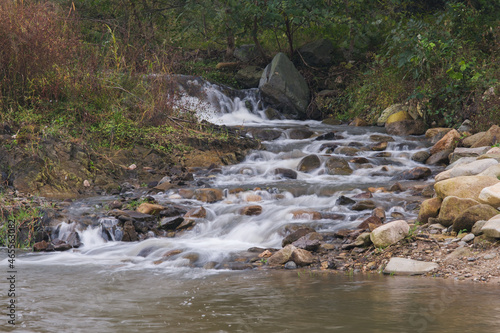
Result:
<point x="249" y="77"/>
<point x="284" y="87"/>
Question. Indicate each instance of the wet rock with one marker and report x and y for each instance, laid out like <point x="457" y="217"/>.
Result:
<point x="265" y="134"/>
<point x="379" y="212"/>
<point x="286" y="173"/>
<point x="326" y="136"/>
<point x="359" y="160"/>
<point x="344" y="201"/>
<point x="133" y="215"/>
<point x="381" y="138"/>
<point x="337" y="166"/>
<point x="363" y="195"/>
<point x="129" y="233"/>
<point x="186" y="193"/>
<point x="491" y="137"/>
<point x="451" y="208"/>
<point x="309" y="163"/>
<point x="59" y="245"/>
<point x="294" y="236"/>
<point x="363" y="205"/>
<point x="309" y="242"/>
<point x="389" y="233"/>
<point x="282" y="256"/>
<point x="252" y="197"/>
<point x="329" y="147"/>
<point x="396" y="187"/>
<point x="420" y="156"/>
<point x="348" y="151"/>
<point x="370" y="223"/>
<point x="40" y="246"/>
<point x="302" y="257"/>
<point x="208" y="195"/>
<point x="467" y="219"/>
<point x="490" y="195"/>
<point x="251" y="210"/>
<point x="435" y="134"/>
<point x="149" y="208"/>
<point x="414" y="174"/>
<point x="429" y="208"/>
<point x="403" y="266"/>
<point x="406" y="127"/>
<point x="464" y="187"/>
<point x="306" y="214"/>
<point x="74" y="239"/>
<point x="173" y="210"/>
<point x="379" y="146"/>
<point x="300" y="133"/>
<point x="439" y="158"/>
<point x="448" y="141"/>
<point x="197" y="212"/>
<point x="492" y="227"/>
<point x="290" y="265"/>
<point x="187" y="223"/>
<point x="384" y="154"/>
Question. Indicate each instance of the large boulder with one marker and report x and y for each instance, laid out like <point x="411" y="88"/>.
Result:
<point x="452" y="207"/>
<point x="490" y="195"/>
<point x="467" y="219"/>
<point x="249" y="77"/>
<point x="448" y="141"/>
<point x="389" y="233"/>
<point x="492" y="227"/>
<point x="405" y="127"/>
<point x="284" y="87"/>
<point x="491" y="137"/>
<point x="317" y="53"/>
<point x="337" y="166"/>
<point x="464" y="187"/>
<point x="429" y="208"/>
<point x="467" y="169"/>
<point x="208" y="194"/>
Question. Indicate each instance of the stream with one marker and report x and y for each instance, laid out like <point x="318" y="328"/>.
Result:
<point x="108" y="285"/>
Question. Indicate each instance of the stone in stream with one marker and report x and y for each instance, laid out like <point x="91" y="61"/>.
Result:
<point x="60" y="245"/>
<point x="309" y="163"/>
<point x="289" y="239"/>
<point x="40" y="246"/>
<point x="129" y="233"/>
<point x="300" y="133"/>
<point x="379" y="146"/>
<point x="197" y="212"/>
<point x="149" y="208"/>
<point x="343" y="201"/>
<point x="290" y="265"/>
<point x="330" y="147"/>
<point x="348" y="151"/>
<point x="265" y="134"/>
<point x="363" y="205"/>
<point x="370" y="223"/>
<point x="74" y="239"/>
<point x="381" y="138"/>
<point x="286" y="173"/>
<point x="170" y="223"/>
<point x="414" y="174"/>
<point x="282" y="256"/>
<point x="208" y="195"/>
<point x="420" y="156"/>
<point x="309" y="242"/>
<point x="389" y="233"/>
<point x="251" y="210"/>
<point x="302" y="257"/>
<point x="306" y="214"/>
<point x="326" y="136"/>
<point x="337" y="166"/>
<point x="468" y="217"/>
<point x="448" y="141"/>
<point x="379" y="212"/>
<point x="403" y="266"/>
<point x="439" y="158"/>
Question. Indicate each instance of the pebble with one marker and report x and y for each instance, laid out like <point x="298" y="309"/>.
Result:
<point x="471" y="259"/>
<point x="290" y="265"/>
<point x="462" y="243"/>
<point x="468" y="237"/>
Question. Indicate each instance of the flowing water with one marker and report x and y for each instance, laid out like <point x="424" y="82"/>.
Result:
<point x="112" y="286"/>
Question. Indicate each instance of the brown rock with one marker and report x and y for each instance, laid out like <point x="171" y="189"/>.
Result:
<point x="442" y="157"/>
<point x="129" y="233"/>
<point x="363" y="205"/>
<point x="429" y="208"/>
<point x="251" y="210"/>
<point x="286" y="173"/>
<point x="406" y="127"/>
<point x="464" y="186"/>
<point x="208" y="194"/>
<point x="379" y="212"/>
<point x="171" y="253"/>
<point x="197" y="212"/>
<point x="436" y="134"/>
<point x="282" y="256"/>
<point x="186" y="193"/>
<point x="358" y="122"/>
<point x="149" y="208"/>
<point x="337" y="166"/>
<point x="306" y="214"/>
<point x="491" y="137"/>
<point x="471" y="215"/>
<point x="379" y="146"/>
<point x="302" y="257"/>
<point x="40" y="246"/>
<point x="448" y="141"/>
<point x="370" y="223"/>
<point x="309" y="163"/>
<point x="296" y="235"/>
<point x="309" y="242"/>
<point x="414" y="174"/>
<point x="452" y="207"/>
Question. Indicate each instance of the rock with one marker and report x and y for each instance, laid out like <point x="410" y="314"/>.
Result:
<point x="306" y="214"/>
<point x="363" y="240"/>
<point x="40" y="246"/>
<point x="490" y="195"/>
<point x="363" y="205"/>
<point x="370" y="223"/>
<point x="476" y="228"/>
<point x="471" y="140"/>
<point x="284" y="87"/>
<point x="452" y="207"/>
<point x="343" y="201"/>
<point x="309" y="242"/>
<point x="208" y="195"/>
<point x="358" y="122"/>
<point x="491" y="137"/>
<point x="406" y="127"/>
<point x="429" y="208"/>
<point x="251" y="210"/>
<point x="464" y="187"/>
<point x="301" y="257"/>
<point x="379" y="212"/>
<point x="60" y="245"/>
<point x="448" y="141"/>
<point x="389" y="233"/>
<point x="420" y="156"/>
<point x="294" y="236"/>
<point x="186" y="224"/>
<point x="129" y="233"/>
<point x="286" y="173"/>
<point x="317" y="53"/>
<point x="149" y="208"/>
<point x="467" y="219"/>
<point x="282" y="256"/>
<point x="331" y="121"/>
<point x="436" y="134"/>
<point x="252" y="197"/>
<point x="272" y="114"/>
<point x="246" y="53"/>
<point x="468" y="169"/>
<point x="439" y="158"/>
<point x="170" y="223"/>
<point x="466" y="126"/>
<point x="74" y="239"/>
<point x="395" y="108"/>
<point x="197" y="212"/>
<point x="414" y="174"/>
<point x="359" y="160"/>
<point x="337" y="166"/>
<point x="458" y="153"/>
<point x="398" y="116"/>
<point x="492" y="171"/>
<point x="492" y="227"/>
<point x="326" y="136"/>
<point x="469" y="237"/>
<point x="249" y="77"/>
<point x="309" y="163"/>
<point x="300" y="133"/>
<point x="344" y="150"/>
<point x="265" y="134"/>
<point x="403" y="266"/>
<point x="379" y="146"/>
<point x="290" y="265"/>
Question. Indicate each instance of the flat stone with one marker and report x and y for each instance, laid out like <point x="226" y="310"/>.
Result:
<point x="468" y="169"/>
<point x="403" y="266"/>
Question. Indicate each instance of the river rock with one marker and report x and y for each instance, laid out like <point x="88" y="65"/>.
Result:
<point x="300" y="133"/>
<point x="420" y="156"/>
<point x="363" y="205"/>
<point x="306" y="214"/>
<point x="343" y="201"/>
<point x="492" y="171"/>
<point x="436" y="134"/>
<point x="294" y="236"/>
<point x="492" y="227"/>
<point x="490" y="195"/>
<point x="406" y="127"/>
<point x="286" y="173"/>
<point x="309" y="242"/>
<point x="309" y="163"/>
<point x="389" y="233"/>
<point x="328" y="147"/>
<point x="265" y="134"/>
<point x="317" y="53"/>
<point x="379" y="146"/>
<point x="468" y="169"/>
<point x="129" y="233"/>
<point x="290" y="265"/>
<point x="477" y="227"/>
<point x="170" y="223"/>
<point x="403" y="266"/>
<point x="466" y="220"/>
<point x="186" y="224"/>
<point x="40" y="246"/>
<point x="471" y="140"/>
<point x="284" y="87"/>
<point x="249" y="77"/>
<point x="379" y="212"/>
<point x="448" y="141"/>
<point x="370" y="223"/>
<point x="345" y="150"/>
<point x="429" y="208"/>
<point x="441" y="157"/>
<point x="197" y="212"/>
<point x="358" y="122"/>
<point x="208" y="195"/>
<point x="464" y="187"/>
<point x="326" y="136"/>
<point x="251" y="210"/>
<point x="491" y="137"/>
<point x="149" y="208"/>
<point x="302" y="257"/>
<point x="282" y="256"/>
<point x="337" y="166"/>
<point x="458" y="153"/>
<point x="452" y="207"/>
<point x="414" y="174"/>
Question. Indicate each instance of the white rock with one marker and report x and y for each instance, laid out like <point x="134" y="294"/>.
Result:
<point x="402" y="266"/>
<point x="389" y="233"/>
<point x="468" y="169"/>
<point x="132" y="167"/>
<point x="86" y="183"/>
<point x="468" y="237"/>
<point x="490" y="195"/>
<point x="492" y="171"/>
<point x="492" y="227"/>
